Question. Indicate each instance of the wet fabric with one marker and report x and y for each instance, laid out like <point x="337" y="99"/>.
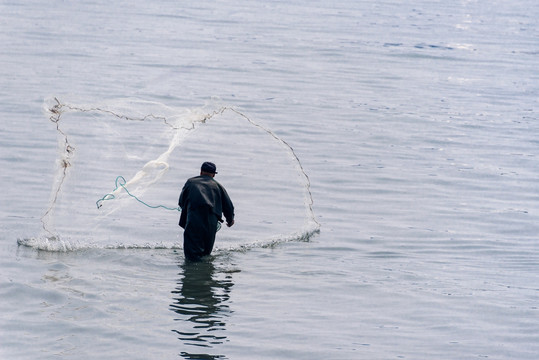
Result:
<point x="203" y="201"/>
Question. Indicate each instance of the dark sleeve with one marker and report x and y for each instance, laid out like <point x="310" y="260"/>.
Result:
<point x="228" y="207"/>
<point x="182" y="201"/>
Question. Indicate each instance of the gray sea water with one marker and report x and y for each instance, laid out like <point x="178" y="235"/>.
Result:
<point x="382" y="157"/>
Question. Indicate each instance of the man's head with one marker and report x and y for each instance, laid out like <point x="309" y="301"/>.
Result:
<point x="208" y="168"/>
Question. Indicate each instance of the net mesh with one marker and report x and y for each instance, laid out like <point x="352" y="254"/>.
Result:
<point x="131" y="157"/>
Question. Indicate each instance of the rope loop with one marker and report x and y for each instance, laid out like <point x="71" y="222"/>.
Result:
<point x="120" y="182"/>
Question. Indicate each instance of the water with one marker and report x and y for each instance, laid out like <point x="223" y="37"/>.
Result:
<point x="415" y="124"/>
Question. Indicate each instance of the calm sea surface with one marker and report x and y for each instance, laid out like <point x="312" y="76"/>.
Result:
<point x="382" y="156"/>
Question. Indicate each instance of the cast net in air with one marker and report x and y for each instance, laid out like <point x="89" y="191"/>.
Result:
<point x="121" y="166"/>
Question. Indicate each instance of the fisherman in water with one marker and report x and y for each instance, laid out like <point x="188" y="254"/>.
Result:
<point x="203" y="202"/>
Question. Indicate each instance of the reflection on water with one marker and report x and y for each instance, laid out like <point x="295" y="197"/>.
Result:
<point x="200" y="302"/>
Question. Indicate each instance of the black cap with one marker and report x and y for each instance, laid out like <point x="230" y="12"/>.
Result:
<point x="209" y="167"/>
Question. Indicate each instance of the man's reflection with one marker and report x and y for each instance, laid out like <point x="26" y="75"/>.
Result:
<point x="200" y="301"/>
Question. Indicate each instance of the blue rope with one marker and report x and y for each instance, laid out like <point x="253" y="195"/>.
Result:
<point x="120" y="182"/>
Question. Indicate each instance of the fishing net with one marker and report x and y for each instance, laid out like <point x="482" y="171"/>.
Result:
<point x="121" y="166"/>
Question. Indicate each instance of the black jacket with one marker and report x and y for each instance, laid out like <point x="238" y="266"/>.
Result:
<point x="203" y="190"/>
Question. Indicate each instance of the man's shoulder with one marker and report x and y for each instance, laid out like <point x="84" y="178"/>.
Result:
<point x="201" y="179"/>
<point x="194" y="179"/>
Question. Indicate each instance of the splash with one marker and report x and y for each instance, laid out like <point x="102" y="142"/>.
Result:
<point x="143" y="139"/>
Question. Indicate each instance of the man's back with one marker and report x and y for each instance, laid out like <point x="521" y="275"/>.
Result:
<point x="204" y="190"/>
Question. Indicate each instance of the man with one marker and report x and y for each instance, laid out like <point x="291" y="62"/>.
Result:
<point x="203" y="201"/>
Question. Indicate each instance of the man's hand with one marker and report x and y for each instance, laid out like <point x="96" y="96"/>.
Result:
<point x="229" y="224"/>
